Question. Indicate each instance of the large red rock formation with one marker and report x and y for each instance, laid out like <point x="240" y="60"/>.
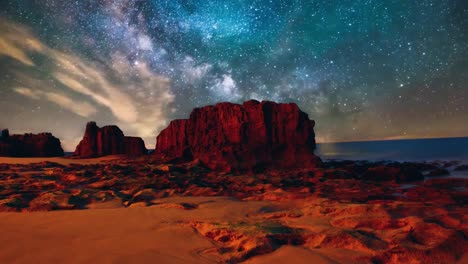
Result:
<point x="108" y="140"/>
<point x="230" y="136"/>
<point x="30" y="145"/>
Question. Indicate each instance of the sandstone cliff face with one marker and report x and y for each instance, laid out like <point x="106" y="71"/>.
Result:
<point x="30" y="145"/>
<point x="173" y="141"/>
<point x="134" y="146"/>
<point x="230" y="136"/>
<point x="108" y="140"/>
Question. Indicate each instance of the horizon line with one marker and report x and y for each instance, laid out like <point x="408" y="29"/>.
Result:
<point x="389" y="139"/>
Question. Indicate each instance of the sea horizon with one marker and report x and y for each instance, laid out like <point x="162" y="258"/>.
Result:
<point x="387" y="139"/>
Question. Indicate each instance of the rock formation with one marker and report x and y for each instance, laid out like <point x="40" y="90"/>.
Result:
<point x="29" y="145"/>
<point x="134" y="146"/>
<point x="253" y="135"/>
<point x="108" y="140"/>
<point x="5" y="133"/>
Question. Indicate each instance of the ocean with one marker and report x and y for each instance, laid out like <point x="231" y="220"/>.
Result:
<point x="418" y="150"/>
<point x="437" y="149"/>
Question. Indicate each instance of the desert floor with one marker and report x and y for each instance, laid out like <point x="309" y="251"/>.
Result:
<point x="271" y="225"/>
<point x="162" y="233"/>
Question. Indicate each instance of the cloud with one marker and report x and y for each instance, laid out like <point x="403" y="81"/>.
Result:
<point x="83" y="109"/>
<point x="16" y="43"/>
<point x="8" y="49"/>
<point x="80" y="108"/>
<point x="138" y="99"/>
<point x="119" y="103"/>
<point x="69" y="144"/>
<point x="27" y="92"/>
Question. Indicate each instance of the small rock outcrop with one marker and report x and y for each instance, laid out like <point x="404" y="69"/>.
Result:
<point x="29" y="145"/>
<point x="134" y="146"/>
<point x="5" y="133"/>
<point x="108" y="140"/>
<point x="234" y="137"/>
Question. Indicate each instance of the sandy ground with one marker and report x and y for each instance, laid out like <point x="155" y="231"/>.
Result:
<point x="138" y="235"/>
<point x="59" y="160"/>
<point x="162" y="233"/>
<point x="132" y="235"/>
<point x="272" y="225"/>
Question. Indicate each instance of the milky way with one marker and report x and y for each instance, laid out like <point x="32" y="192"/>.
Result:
<point x="363" y="69"/>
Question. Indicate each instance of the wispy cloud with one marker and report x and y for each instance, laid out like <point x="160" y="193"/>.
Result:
<point x="83" y="109"/>
<point x="27" y="92"/>
<point x="136" y="97"/>
<point x="80" y="108"/>
<point x="17" y="41"/>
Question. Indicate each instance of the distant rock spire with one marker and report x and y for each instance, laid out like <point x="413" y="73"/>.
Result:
<point x="108" y="140"/>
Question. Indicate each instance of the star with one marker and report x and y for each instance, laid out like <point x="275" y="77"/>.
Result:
<point x="143" y="63"/>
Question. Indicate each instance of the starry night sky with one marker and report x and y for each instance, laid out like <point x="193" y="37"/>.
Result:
<point x="363" y="69"/>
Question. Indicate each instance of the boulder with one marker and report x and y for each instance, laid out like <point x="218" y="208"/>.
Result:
<point x="234" y="137"/>
<point x="108" y="140"/>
